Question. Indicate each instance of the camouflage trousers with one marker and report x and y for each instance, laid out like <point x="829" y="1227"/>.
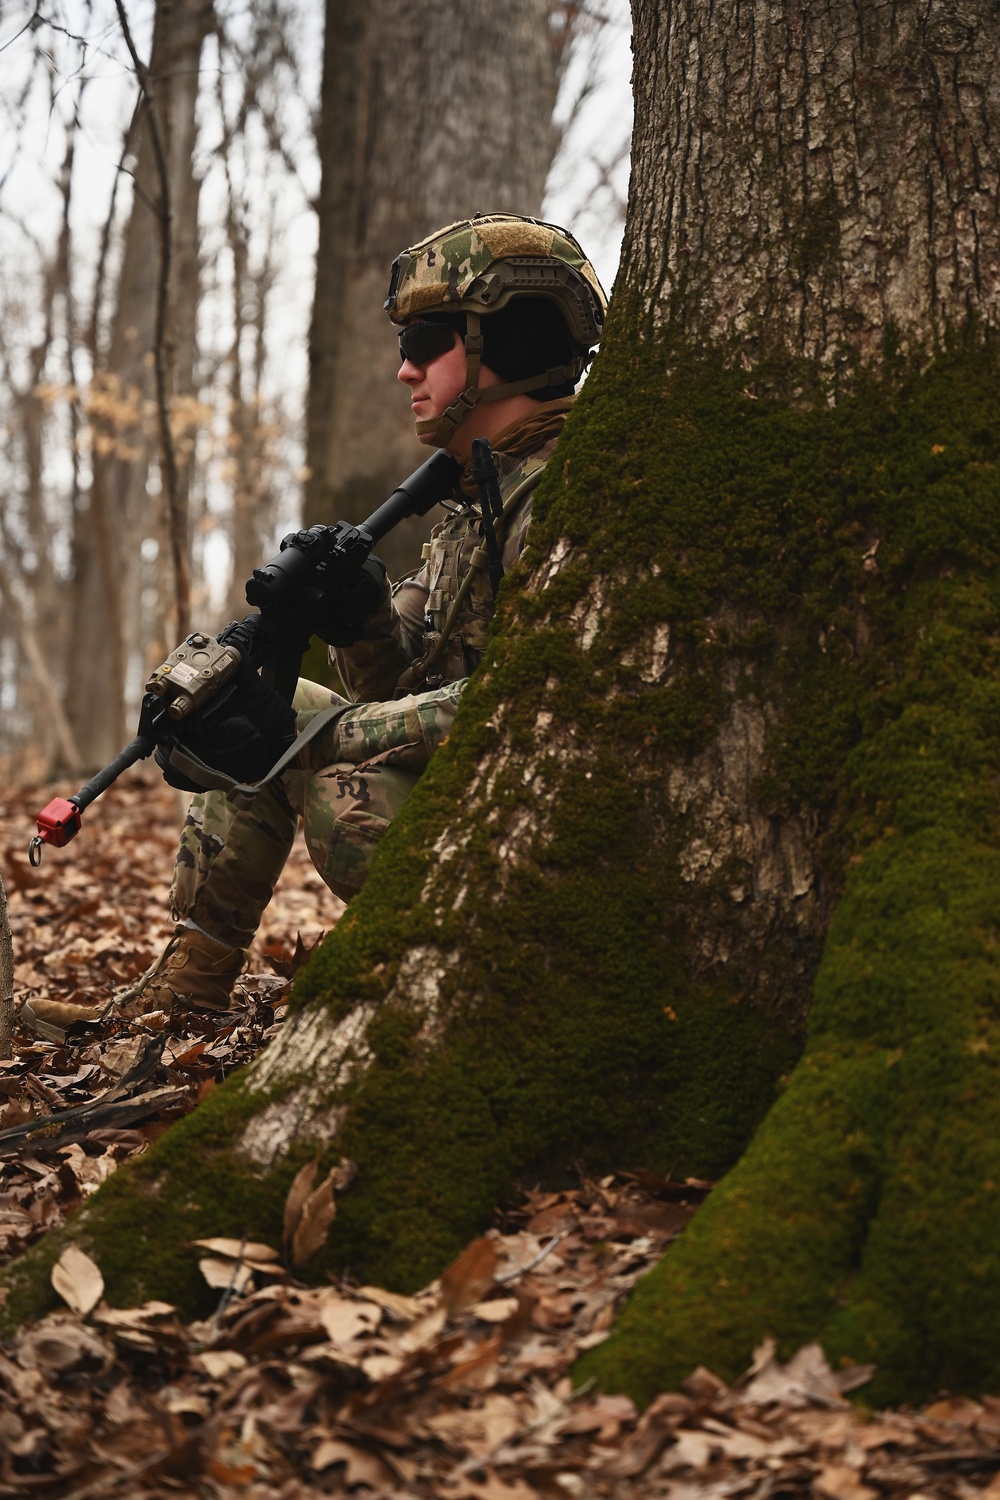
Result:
<point x="229" y="859"/>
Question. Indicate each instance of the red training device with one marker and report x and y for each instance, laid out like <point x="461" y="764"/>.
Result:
<point x="60" y="821"/>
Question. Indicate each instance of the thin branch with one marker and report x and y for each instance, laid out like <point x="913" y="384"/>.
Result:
<point x="177" y="527"/>
<point x="100" y="275"/>
<point x="536" y="1260"/>
<point x="31" y="24"/>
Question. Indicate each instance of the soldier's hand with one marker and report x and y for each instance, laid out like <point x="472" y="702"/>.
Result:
<point x="242" y="732"/>
<point x="340" y="618"/>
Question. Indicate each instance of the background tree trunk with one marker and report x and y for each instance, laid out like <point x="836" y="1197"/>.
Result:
<point x="732" y="755"/>
<point x="112" y="629"/>
<point x="428" y="115"/>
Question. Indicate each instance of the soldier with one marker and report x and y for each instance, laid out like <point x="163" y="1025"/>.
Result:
<point x="497" y="318"/>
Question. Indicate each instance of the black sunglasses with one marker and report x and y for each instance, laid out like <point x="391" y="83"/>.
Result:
<point x="422" y="342"/>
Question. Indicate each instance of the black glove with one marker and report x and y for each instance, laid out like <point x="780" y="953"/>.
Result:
<point x="339" y="618"/>
<point x="242" y="731"/>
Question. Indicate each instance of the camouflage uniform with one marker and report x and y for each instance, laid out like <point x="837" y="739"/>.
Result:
<point x="407" y="672"/>
<point x="360" y="770"/>
<point x="476" y="267"/>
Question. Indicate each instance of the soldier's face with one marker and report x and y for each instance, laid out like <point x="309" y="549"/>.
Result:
<point x="435" y="385"/>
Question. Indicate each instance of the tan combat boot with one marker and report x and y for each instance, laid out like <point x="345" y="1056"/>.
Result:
<point x="52" y="1019"/>
<point x="192" y="973"/>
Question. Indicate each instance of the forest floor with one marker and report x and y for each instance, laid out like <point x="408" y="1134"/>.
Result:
<point x="461" y="1392"/>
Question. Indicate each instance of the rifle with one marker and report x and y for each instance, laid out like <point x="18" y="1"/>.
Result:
<point x="297" y="596"/>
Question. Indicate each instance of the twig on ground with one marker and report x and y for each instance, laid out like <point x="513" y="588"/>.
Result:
<point x="509" y="1276"/>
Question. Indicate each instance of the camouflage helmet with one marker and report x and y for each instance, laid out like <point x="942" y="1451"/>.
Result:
<point x="476" y="267"/>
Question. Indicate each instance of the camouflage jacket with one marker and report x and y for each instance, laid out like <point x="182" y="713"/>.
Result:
<point x="411" y="618"/>
<point x="386" y="723"/>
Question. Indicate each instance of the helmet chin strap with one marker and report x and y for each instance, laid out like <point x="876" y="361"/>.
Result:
<point x="440" y="429"/>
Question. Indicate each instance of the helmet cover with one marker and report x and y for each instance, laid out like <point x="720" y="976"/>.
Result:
<point x="476" y="266"/>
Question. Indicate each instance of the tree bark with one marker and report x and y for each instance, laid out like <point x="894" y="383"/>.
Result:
<point x="422" y="105"/>
<point x="112" y="628"/>
<point x="815" y="180"/>
<point x="731" y="760"/>
<point x="854" y="279"/>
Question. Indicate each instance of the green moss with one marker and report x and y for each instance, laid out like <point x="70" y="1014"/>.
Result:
<point x="140" y="1224"/>
<point x="865" y="1211"/>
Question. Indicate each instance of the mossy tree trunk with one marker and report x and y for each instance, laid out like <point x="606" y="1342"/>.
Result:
<point x="815" y="208"/>
<point x="732" y="760"/>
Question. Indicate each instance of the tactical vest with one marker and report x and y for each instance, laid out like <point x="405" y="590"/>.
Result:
<point x="455" y="545"/>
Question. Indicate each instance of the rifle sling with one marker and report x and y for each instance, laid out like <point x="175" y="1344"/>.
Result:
<point x="242" y="793"/>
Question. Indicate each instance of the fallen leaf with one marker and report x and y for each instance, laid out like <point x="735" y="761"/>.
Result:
<point x="302" y="1186"/>
<point x="77" y="1280"/>
<point x="424" y="1331"/>
<point x="135" y="1317"/>
<point x="59" y="1345"/>
<point x="381" y="1366"/>
<point x="318" y="1212"/>
<point x="957" y="1411"/>
<point x="469" y="1277"/>
<point x="604" y="1415"/>
<point x="654" y="1430"/>
<point x="704" y="1385"/>
<point x="187" y="1404"/>
<point x="479" y="1371"/>
<point x="248" y="1250"/>
<point x="223" y="1274"/>
<point x="841" y="1482"/>
<point x="490" y="1488"/>
<point x="218" y="1363"/>
<point x="806" y="1378"/>
<point x="689" y="1450"/>
<point x="497" y="1311"/>
<point x="554" y="1219"/>
<point x="398" y="1306"/>
<point x="360" y="1466"/>
<point x="344" y="1320"/>
<point x="479" y="1430"/>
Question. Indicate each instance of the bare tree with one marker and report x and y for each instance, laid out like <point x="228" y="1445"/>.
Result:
<point x="253" y="212"/>
<point x="97" y="349"/>
<point x="28" y="529"/>
<point x="6" y="978"/>
<point x="152" y="325"/>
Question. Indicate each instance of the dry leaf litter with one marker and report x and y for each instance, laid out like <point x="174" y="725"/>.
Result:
<point x="461" y="1392"/>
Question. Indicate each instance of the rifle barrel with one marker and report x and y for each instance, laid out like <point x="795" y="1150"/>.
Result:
<point x="136" y="749"/>
<point x="426" y="486"/>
